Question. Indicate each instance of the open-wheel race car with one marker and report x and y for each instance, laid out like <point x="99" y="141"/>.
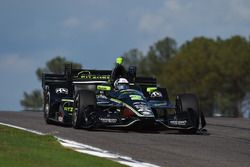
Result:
<point x="116" y="99"/>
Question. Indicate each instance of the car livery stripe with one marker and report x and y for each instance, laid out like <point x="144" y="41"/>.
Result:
<point x="128" y="106"/>
<point x="67" y="100"/>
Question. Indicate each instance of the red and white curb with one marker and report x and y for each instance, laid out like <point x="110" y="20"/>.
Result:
<point x="87" y="149"/>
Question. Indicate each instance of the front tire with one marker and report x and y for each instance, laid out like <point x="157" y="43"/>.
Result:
<point x="83" y="115"/>
<point x="189" y="103"/>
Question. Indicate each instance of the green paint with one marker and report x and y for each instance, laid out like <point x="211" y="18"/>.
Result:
<point x="68" y="109"/>
<point x="104" y="88"/>
<point x="67" y="100"/>
<point x="136" y="97"/>
<point x="151" y="89"/>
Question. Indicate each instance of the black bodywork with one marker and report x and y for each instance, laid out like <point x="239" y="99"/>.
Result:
<point x="86" y="99"/>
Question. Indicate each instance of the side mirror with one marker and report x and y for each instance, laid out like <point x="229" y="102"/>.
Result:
<point x="103" y="87"/>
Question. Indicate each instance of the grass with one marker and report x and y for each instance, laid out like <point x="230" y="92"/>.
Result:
<point x="23" y="149"/>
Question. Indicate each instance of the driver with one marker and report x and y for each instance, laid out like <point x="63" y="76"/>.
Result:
<point x="121" y="84"/>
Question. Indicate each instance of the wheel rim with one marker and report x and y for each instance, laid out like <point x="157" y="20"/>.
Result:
<point x="75" y="114"/>
<point x="74" y="118"/>
<point x="46" y="110"/>
<point x="47" y="106"/>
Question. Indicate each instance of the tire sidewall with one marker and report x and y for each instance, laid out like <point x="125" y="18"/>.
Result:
<point x="189" y="103"/>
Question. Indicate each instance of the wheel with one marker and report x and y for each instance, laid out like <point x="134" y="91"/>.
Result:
<point x="46" y="109"/>
<point x="189" y="103"/>
<point x="84" y="110"/>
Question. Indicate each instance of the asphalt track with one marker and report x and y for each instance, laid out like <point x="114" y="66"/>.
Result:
<point x="226" y="145"/>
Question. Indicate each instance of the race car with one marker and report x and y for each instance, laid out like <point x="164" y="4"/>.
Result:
<point x="92" y="99"/>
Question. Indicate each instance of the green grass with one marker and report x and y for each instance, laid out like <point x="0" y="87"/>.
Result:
<point x="23" y="149"/>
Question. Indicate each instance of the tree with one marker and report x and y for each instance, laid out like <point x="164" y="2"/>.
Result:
<point x="158" y="55"/>
<point x="133" y="58"/>
<point x="233" y="61"/>
<point x="190" y="71"/>
<point x="32" y="101"/>
<point x="216" y="70"/>
<point x="56" y="65"/>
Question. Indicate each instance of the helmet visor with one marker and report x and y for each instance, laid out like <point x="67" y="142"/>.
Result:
<point x="122" y="86"/>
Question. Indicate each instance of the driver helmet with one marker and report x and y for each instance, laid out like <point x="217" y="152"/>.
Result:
<point x="121" y="83"/>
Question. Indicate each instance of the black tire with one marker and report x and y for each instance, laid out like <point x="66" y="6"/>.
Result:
<point x="47" y="109"/>
<point x="85" y="102"/>
<point x="189" y="103"/>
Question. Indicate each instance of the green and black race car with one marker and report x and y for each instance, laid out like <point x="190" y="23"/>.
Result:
<point x="116" y="99"/>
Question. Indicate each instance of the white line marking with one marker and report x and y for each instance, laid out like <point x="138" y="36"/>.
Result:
<point x="21" y="128"/>
<point x="87" y="149"/>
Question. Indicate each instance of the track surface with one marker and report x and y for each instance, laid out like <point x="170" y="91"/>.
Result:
<point x="228" y="144"/>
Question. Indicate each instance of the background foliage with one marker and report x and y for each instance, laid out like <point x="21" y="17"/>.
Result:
<point x="217" y="70"/>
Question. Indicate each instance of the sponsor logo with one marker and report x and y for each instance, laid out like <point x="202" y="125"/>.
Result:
<point x="178" y="122"/>
<point x="62" y="91"/>
<point x="139" y="103"/>
<point x="147" y="113"/>
<point x="108" y="120"/>
<point x="101" y="96"/>
<point x="88" y="76"/>
<point x="156" y="94"/>
<point x="143" y="108"/>
<point x="68" y="109"/>
<point x="95" y="77"/>
<point x="135" y="97"/>
<point x="160" y="104"/>
<point x="60" y="118"/>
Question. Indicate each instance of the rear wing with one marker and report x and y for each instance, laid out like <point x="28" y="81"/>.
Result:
<point x="77" y="76"/>
<point x="87" y="76"/>
<point x="48" y="79"/>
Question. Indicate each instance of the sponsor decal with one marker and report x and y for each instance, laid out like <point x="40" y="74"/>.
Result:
<point x="135" y="97"/>
<point x="101" y="96"/>
<point x="151" y="89"/>
<point x="108" y="120"/>
<point x="139" y="103"/>
<point x="87" y="75"/>
<point x="60" y="118"/>
<point x="95" y="77"/>
<point x="62" y="91"/>
<point x="68" y="109"/>
<point x="104" y="88"/>
<point x="142" y="108"/>
<point x="147" y="113"/>
<point x="67" y="100"/>
<point x="68" y="105"/>
<point x="156" y="94"/>
<point x="178" y="122"/>
<point x="160" y="104"/>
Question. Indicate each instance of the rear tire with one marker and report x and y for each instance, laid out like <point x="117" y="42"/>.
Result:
<point x="189" y="103"/>
<point x="47" y="109"/>
<point x="82" y="117"/>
